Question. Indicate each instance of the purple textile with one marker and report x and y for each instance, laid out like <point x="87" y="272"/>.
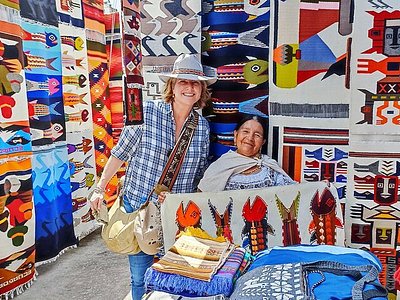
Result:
<point x="221" y="283"/>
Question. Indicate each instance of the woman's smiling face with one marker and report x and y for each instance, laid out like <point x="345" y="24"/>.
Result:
<point x="249" y="138"/>
<point x="187" y="91"/>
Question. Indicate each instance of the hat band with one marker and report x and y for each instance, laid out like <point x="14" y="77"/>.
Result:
<point x="188" y="71"/>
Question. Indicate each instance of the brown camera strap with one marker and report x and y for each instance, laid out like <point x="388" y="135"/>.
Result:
<point x="175" y="160"/>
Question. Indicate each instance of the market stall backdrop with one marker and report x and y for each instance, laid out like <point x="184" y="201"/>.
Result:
<point x="56" y="129"/>
<point x="299" y="63"/>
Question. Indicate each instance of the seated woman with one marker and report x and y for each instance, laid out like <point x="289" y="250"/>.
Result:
<point x="246" y="168"/>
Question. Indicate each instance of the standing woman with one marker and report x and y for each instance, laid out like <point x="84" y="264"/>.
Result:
<point x="146" y="148"/>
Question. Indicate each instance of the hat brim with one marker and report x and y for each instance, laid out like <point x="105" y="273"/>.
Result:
<point x="208" y="80"/>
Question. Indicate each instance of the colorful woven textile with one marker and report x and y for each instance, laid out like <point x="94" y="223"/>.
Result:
<point x="163" y="39"/>
<point x="70" y="12"/>
<point x="374" y="159"/>
<point x="100" y="97"/>
<point x="94" y="15"/>
<point x="235" y="46"/>
<point x="221" y="283"/>
<point x="194" y="257"/>
<point x="17" y="219"/>
<point x="114" y="55"/>
<point x="52" y="194"/>
<point x="41" y="11"/>
<point x="17" y="224"/>
<point x="323" y="283"/>
<point x="44" y="83"/>
<point x="260" y="218"/>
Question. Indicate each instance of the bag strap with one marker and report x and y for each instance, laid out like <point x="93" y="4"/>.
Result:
<point x="175" y="160"/>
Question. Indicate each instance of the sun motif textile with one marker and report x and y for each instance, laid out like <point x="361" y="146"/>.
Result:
<point x="53" y="203"/>
<point x="260" y="218"/>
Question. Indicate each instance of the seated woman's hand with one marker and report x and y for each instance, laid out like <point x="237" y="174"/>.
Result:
<point x="161" y="196"/>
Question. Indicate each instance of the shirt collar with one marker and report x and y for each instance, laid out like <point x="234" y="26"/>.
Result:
<point x="167" y="109"/>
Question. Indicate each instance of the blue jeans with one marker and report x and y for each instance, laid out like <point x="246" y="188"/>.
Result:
<point x="138" y="264"/>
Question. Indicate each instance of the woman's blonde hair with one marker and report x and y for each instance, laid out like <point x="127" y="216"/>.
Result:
<point x="168" y="94"/>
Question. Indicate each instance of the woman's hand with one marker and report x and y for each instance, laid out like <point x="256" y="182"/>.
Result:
<point x="161" y="196"/>
<point x="96" y="199"/>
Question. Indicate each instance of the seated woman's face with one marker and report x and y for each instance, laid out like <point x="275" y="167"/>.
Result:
<point x="249" y="138"/>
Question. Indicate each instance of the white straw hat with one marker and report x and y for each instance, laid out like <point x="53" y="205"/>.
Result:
<point x="187" y="66"/>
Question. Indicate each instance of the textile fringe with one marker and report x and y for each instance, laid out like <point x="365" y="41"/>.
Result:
<point x="310" y="110"/>
<point x="95" y="36"/>
<point x="89" y="231"/>
<point x="19" y="289"/>
<point x="160" y="236"/>
<point x="177" y="284"/>
<point x="53" y="259"/>
<point x="10" y="15"/>
<point x="134" y="86"/>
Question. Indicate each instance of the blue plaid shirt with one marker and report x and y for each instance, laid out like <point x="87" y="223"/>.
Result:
<point x="146" y="148"/>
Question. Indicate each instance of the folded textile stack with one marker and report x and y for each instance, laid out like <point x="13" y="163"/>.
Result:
<point x="197" y="267"/>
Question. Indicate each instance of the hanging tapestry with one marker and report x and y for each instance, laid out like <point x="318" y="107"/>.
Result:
<point x="312" y="154"/>
<point x="15" y="135"/>
<point x="310" y="54"/>
<point x="100" y="97"/>
<point x="13" y="106"/>
<point x="53" y="203"/>
<point x="375" y="78"/>
<point x="11" y="3"/>
<point x="94" y="15"/>
<point x="76" y="89"/>
<point x="43" y="11"/>
<point x="17" y="225"/>
<point x="114" y="57"/>
<point x="83" y="178"/>
<point x="235" y="47"/>
<point x="132" y="62"/>
<point x="257" y="219"/>
<point x="372" y="210"/>
<point x="309" y="57"/>
<point x="43" y="83"/>
<point x="164" y="38"/>
<point x="70" y="12"/>
<point x="78" y="112"/>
